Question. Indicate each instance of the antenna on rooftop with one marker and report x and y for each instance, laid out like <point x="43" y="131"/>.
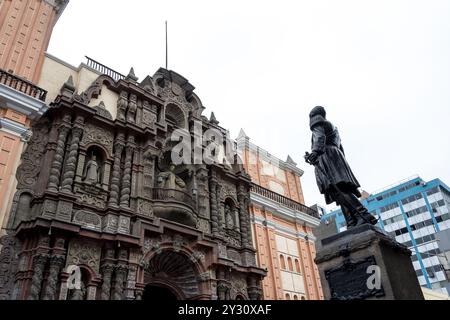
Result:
<point x="166" y="46"/>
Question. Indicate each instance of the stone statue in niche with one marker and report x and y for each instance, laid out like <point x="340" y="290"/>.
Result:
<point x="132" y="107"/>
<point x="169" y="180"/>
<point x="92" y="173"/>
<point x="229" y="217"/>
<point x="78" y="294"/>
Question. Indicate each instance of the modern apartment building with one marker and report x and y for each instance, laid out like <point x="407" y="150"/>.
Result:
<point x="413" y="211"/>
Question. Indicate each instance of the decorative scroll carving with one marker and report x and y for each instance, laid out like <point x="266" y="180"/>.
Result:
<point x="84" y="252"/>
<point x="92" y="200"/>
<point x="96" y="135"/>
<point x="145" y="208"/>
<point x="148" y="118"/>
<point x="88" y="219"/>
<point x="28" y="170"/>
<point x="94" y="90"/>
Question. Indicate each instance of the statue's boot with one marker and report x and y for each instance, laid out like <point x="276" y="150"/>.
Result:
<point x="349" y="218"/>
<point x="364" y="216"/>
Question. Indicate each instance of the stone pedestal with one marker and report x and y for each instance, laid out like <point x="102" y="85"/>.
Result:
<point x="366" y="263"/>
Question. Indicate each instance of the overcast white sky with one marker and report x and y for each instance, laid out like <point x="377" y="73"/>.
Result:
<point x="381" y="68"/>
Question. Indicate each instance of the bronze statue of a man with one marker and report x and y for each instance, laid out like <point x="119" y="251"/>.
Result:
<point x="334" y="177"/>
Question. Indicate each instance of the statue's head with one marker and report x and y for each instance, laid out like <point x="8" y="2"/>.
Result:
<point x="316" y="116"/>
<point x="318" y="111"/>
<point x="171" y="166"/>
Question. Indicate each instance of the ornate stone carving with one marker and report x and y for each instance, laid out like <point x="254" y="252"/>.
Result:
<point x="126" y="179"/>
<point x="198" y="255"/>
<point x="88" y="219"/>
<point x="115" y="180"/>
<point x="39" y="262"/>
<point x="92" y="200"/>
<point x="84" y="252"/>
<point x="120" y="276"/>
<point x="55" y="171"/>
<point x="110" y="223"/>
<point x="124" y="225"/>
<point x="96" y="135"/>
<point x="132" y="108"/>
<point x="203" y="225"/>
<point x="8" y="265"/>
<point x="213" y="204"/>
<point x="70" y="167"/>
<point x="28" y="170"/>
<point x="148" y="117"/>
<point x="122" y="104"/>
<point x="64" y="210"/>
<point x="101" y="111"/>
<point x="93" y="91"/>
<point x="144" y="207"/>
<point x="222" y="251"/>
<point x="56" y="263"/>
<point x="107" y="271"/>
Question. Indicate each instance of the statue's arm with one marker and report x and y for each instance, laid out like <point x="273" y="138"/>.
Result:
<point x="180" y="182"/>
<point x="318" y="139"/>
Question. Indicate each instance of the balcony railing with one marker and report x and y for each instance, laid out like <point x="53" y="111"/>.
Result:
<point x="173" y="195"/>
<point x="284" y="200"/>
<point x="22" y="85"/>
<point x="104" y="69"/>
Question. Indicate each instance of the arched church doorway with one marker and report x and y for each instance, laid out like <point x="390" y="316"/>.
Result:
<point x="158" y="293"/>
<point x="173" y="275"/>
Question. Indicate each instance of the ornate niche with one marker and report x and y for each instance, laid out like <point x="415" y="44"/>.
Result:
<point x="231" y="222"/>
<point x="92" y="178"/>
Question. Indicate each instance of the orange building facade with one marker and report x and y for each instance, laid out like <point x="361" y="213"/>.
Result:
<point x="282" y="226"/>
<point x="25" y="30"/>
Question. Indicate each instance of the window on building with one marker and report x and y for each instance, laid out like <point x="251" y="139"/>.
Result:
<point x="303" y="298"/>
<point x="432" y="191"/>
<point x="297" y="266"/>
<point x="295" y="297"/>
<point x="291" y="268"/>
<point x="282" y="262"/>
<point x="287" y="296"/>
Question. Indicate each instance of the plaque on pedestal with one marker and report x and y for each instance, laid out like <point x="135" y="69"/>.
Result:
<point x="366" y="263"/>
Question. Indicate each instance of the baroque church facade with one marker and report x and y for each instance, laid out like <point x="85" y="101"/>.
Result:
<point x="98" y="200"/>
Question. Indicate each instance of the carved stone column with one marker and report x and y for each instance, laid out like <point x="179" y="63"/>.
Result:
<point x="213" y="204"/>
<point x="55" y="171"/>
<point x="56" y="263"/>
<point x="253" y="289"/>
<point x="126" y="180"/>
<point x="120" y="275"/>
<point x="39" y="262"/>
<point x="107" y="271"/>
<point x="243" y="221"/>
<point x="115" y="180"/>
<point x="69" y="169"/>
